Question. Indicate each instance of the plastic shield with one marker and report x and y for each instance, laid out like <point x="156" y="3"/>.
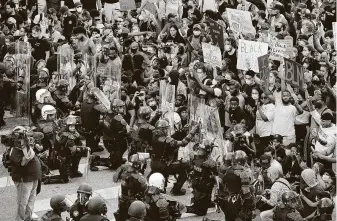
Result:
<point x="167" y="105"/>
<point x="108" y="80"/>
<point x="196" y="109"/>
<point x="101" y="97"/>
<point x="214" y="132"/>
<point x="18" y="101"/>
<point x="66" y="65"/>
<point x="90" y="65"/>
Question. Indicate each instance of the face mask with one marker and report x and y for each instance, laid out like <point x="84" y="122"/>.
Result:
<point x="196" y="33"/>
<point x="10" y="26"/>
<point x="133" y="51"/>
<point x="153" y="107"/>
<point x="228" y="47"/>
<point x="277" y="29"/>
<point x="79" y="9"/>
<point x="249" y="82"/>
<point x="255" y="96"/>
<point x="302" y="31"/>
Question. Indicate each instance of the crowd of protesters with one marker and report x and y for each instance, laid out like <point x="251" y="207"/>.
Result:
<point x="84" y="55"/>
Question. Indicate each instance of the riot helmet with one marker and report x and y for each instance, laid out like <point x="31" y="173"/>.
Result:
<point x="63" y="85"/>
<point x="157" y="180"/>
<point x="84" y="191"/>
<point x="97" y="206"/>
<point x="162" y="126"/>
<point x="292" y="200"/>
<point x="137" y="210"/>
<point x="48" y="112"/>
<point x="144" y="113"/>
<point x="60" y="203"/>
<point x="118" y="107"/>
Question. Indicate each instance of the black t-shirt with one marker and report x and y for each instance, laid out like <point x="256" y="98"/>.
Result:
<point x="233" y="58"/>
<point x="69" y="23"/>
<point x="88" y="4"/>
<point x="40" y="46"/>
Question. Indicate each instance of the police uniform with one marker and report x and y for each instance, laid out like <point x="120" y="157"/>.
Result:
<point x="77" y="210"/>
<point x="164" y="159"/>
<point x="158" y="206"/>
<point x="203" y="182"/>
<point x="115" y="137"/>
<point x="282" y="213"/>
<point x="236" y="199"/>
<point x="89" y="217"/>
<point x="62" y="101"/>
<point x="143" y="137"/>
<point x="133" y="186"/>
<point x="71" y="160"/>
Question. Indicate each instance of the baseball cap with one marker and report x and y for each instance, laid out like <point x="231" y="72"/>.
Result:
<point x="77" y="4"/>
<point x="278" y="137"/>
<point x="277" y="6"/>
<point x="171" y="15"/>
<point x="197" y="26"/>
<point x="327" y="116"/>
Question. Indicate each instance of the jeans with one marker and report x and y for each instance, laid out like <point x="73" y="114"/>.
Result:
<point x="109" y="10"/>
<point x="26" y="199"/>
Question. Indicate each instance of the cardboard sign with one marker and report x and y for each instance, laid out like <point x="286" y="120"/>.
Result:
<point x="278" y="50"/>
<point x="212" y="55"/>
<point x="151" y="8"/>
<point x="248" y="52"/>
<point x="294" y="73"/>
<point x="264" y="68"/>
<point x="208" y="5"/>
<point x="240" y="21"/>
<point x="127" y="5"/>
<point x="216" y="32"/>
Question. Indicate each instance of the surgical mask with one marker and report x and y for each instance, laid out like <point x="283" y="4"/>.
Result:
<point x="249" y="81"/>
<point x="228" y="47"/>
<point x="10" y="26"/>
<point x="79" y="9"/>
<point x="196" y="33"/>
<point x="133" y="51"/>
<point x="255" y="96"/>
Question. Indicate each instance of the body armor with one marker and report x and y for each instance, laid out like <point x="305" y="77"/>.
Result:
<point x="77" y="211"/>
<point x="157" y="204"/>
<point x="114" y="128"/>
<point x="286" y="214"/>
<point x="51" y="216"/>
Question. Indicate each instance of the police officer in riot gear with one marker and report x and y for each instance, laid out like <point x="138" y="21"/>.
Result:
<point x="159" y="208"/>
<point x="42" y="82"/>
<point x="236" y="196"/>
<point x="90" y="115"/>
<point x="60" y="95"/>
<point x="133" y="186"/>
<point x="70" y="148"/>
<point x="97" y="210"/>
<point x="59" y="204"/>
<point x="164" y="155"/>
<point x="203" y="180"/>
<point x="43" y="97"/>
<point x="137" y="211"/>
<point x="79" y="209"/>
<point x="115" y="137"/>
<point x="288" y="209"/>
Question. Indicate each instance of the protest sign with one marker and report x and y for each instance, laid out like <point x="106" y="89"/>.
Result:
<point x="264" y="68"/>
<point x="240" y="21"/>
<point x="212" y="55"/>
<point x="248" y="52"/>
<point x="149" y="6"/>
<point x="167" y="103"/>
<point x="334" y="29"/>
<point x="294" y="73"/>
<point x="278" y="50"/>
<point x="126" y="5"/>
<point x="216" y="32"/>
<point x="208" y="5"/>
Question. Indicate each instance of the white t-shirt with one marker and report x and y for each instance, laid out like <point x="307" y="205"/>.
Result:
<point x="264" y="128"/>
<point x="327" y="134"/>
<point x="284" y="120"/>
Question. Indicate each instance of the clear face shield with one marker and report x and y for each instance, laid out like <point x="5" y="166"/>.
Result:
<point x="66" y="204"/>
<point x="83" y="197"/>
<point x="295" y="203"/>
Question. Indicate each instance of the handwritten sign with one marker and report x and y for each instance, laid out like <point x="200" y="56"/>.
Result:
<point x="294" y="73"/>
<point x="278" y="50"/>
<point x="212" y="55"/>
<point x="248" y="52"/>
<point x="216" y="32"/>
<point x="264" y="68"/>
<point x="127" y="5"/>
<point x="240" y="21"/>
<point x="151" y="8"/>
<point x="208" y="5"/>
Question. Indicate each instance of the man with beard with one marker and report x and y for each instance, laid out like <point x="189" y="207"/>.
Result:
<point x="40" y="46"/>
<point x="115" y="137"/>
<point x="85" y="44"/>
<point x="284" y="121"/>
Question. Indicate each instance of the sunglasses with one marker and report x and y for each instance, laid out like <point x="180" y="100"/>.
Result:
<point x="264" y="98"/>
